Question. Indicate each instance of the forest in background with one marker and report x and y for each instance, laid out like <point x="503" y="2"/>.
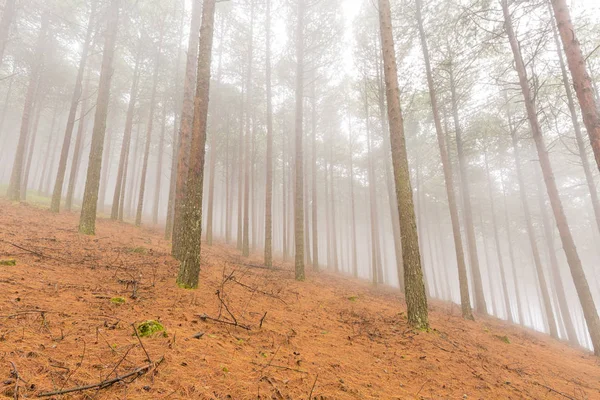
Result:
<point x="100" y="98"/>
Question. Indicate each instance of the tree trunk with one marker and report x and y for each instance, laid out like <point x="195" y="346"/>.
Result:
<point x="559" y="288"/>
<point x="187" y="112"/>
<point x="49" y="153"/>
<point x="352" y="201"/>
<point x="159" y="165"/>
<point x="174" y="136"/>
<point x="416" y="300"/>
<point x="480" y="304"/>
<point x="14" y="186"/>
<point x="33" y="136"/>
<point x="512" y="258"/>
<point x="121" y="173"/>
<point x="448" y="176"/>
<point x="577" y="272"/>
<point x="106" y="163"/>
<point x="298" y="155"/>
<point x="582" y="83"/>
<point x="314" y="193"/>
<point x="140" y="205"/>
<point x="189" y="269"/>
<point x="78" y="150"/>
<point x="75" y="98"/>
<point x="87" y="221"/>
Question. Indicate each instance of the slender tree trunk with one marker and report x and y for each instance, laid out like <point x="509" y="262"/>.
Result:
<point x="268" y="256"/>
<point x="134" y="170"/>
<point x="582" y="83"/>
<point x="314" y="193"/>
<point x="241" y="150"/>
<point x="497" y="242"/>
<point x="14" y="186"/>
<point x="48" y="154"/>
<point x="284" y="192"/>
<point x="159" y="165"/>
<point x="489" y="267"/>
<point x="140" y="205"/>
<point x="559" y="288"/>
<point x="106" y="163"/>
<point x="353" y="200"/>
<point x="416" y="300"/>
<point x="187" y="112"/>
<point x="75" y="99"/>
<point x="87" y="221"/>
<point x="512" y="258"/>
<point x="189" y="269"/>
<point x="78" y="150"/>
<point x="298" y="154"/>
<point x="174" y="137"/>
<point x="121" y="174"/>
<point x="247" y="141"/>
<point x="448" y="176"/>
<point x="31" y="148"/>
<point x="480" y="304"/>
<point x="577" y="271"/>
<point x="8" y="14"/>
<point x="334" y="240"/>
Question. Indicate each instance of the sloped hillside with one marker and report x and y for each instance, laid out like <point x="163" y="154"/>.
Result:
<point x="69" y="306"/>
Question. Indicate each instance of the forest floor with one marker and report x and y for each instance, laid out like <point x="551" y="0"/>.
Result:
<point x="331" y="336"/>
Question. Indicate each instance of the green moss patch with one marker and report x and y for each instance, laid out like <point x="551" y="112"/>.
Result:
<point x="353" y="298"/>
<point x="150" y="327"/>
<point x="117" y="300"/>
<point x="138" y="250"/>
<point x="504" y="338"/>
<point x="11" y="262"/>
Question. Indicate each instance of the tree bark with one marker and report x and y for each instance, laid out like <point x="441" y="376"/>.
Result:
<point x="448" y="175"/>
<point x="314" y="170"/>
<point x="480" y="304"/>
<point x="140" y="205"/>
<point x="577" y="272"/>
<point x="121" y="172"/>
<point x="582" y="82"/>
<point x="298" y="156"/>
<point x="187" y="112"/>
<point x="14" y="186"/>
<point x="75" y="99"/>
<point x="189" y="269"/>
<point x="87" y="221"/>
<point x="416" y="300"/>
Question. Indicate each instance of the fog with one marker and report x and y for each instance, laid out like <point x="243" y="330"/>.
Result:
<point x="349" y="197"/>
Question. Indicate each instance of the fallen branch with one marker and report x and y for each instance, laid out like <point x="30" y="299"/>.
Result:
<point x="136" y="373"/>
<point x="313" y="387"/>
<point x="205" y="317"/>
<point x="566" y="396"/>
<point x="233" y="279"/>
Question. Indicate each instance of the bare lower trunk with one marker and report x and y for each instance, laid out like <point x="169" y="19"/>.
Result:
<point x="416" y="300"/>
<point x="189" y="269"/>
<point x="448" y="177"/>
<point x="87" y="221"/>
<point x="159" y="166"/>
<point x="314" y="194"/>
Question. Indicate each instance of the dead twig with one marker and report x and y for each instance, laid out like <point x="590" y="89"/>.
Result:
<point x="313" y="387"/>
<point x="262" y="320"/>
<point x="141" y="344"/>
<point x="566" y="396"/>
<point x="205" y="318"/>
<point x="136" y="373"/>
<point x="15" y="372"/>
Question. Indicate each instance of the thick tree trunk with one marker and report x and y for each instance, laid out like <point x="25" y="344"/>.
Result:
<point x="480" y="304"/>
<point x="582" y="82"/>
<point x="187" y="112"/>
<point x="298" y="154"/>
<point x="416" y="300"/>
<point x="589" y="178"/>
<point x="87" y="221"/>
<point x="577" y="271"/>
<point x="121" y="172"/>
<point x="189" y="269"/>
<point x="76" y="97"/>
<point x="448" y="176"/>
<point x="140" y="205"/>
<point x="78" y="150"/>
<point x="14" y="186"/>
